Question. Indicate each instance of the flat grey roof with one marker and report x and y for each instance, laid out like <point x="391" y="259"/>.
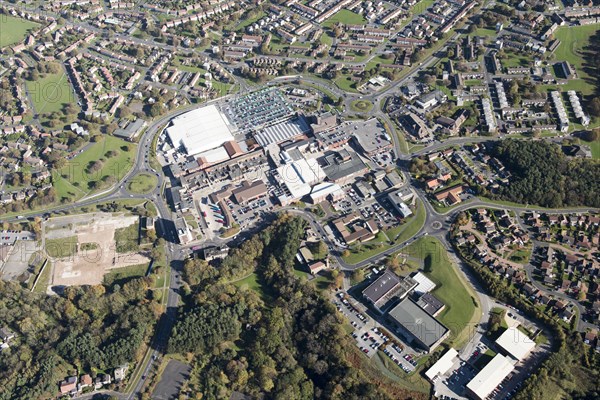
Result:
<point x="418" y="322"/>
<point x="430" y="303"/>
<point x="382" y="285"/>
<point x="338" y="165"/>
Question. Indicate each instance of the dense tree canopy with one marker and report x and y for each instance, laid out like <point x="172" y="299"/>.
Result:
<point x="285" y="343"/>
<point x="543" y="175"/>
<point x="89" y="327"/>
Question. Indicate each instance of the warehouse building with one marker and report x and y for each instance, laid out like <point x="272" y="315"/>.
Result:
<point x="296" y="179"/>
<point x="249" y="191"/>
<point x="515" y="343"/>
<point x="387" y="286"/>
<point x="342" y="166"/>
<point x="442" y="365"/>
<point x="425" y="285"/>
<point x="489" y="377"/>
<point x="431" y="304"/>
<point x="326" y="191"/>
<point x="282" y="131"/>
<point x="200" y="130"/>
<point x="417" y="326"/>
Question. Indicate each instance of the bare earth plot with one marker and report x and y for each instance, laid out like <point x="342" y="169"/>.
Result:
<point x="95" y="253"/>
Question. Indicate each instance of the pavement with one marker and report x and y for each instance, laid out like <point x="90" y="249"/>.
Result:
<point x="173" y="377"/>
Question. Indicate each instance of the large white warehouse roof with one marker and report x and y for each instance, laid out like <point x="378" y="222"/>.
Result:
<point x="200" y="130"/>
<point x="515" y="343"/>
<point x="490" y="376"/>
<point x="442" y="365"/>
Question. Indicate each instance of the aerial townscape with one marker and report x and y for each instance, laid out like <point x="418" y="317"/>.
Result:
<point x="300" y="199"/>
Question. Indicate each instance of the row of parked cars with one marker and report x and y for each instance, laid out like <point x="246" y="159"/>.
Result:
<point x="396" y="360"/>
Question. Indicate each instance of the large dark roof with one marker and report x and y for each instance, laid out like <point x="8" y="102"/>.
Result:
<point x="415" y="320"/>
<point x="382" y="285"/>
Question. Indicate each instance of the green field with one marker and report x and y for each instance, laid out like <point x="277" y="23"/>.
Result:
<point x="484" y="32"/>
<point x="378" y="60"/>
<point x="125" y="273"/>
<point x="126" y="239"/>
<point x="251" y="282"/>
<point x="451" y="288"/>
<point x="573" y="41"/>
<point x="51" y="93"/>
<point x="63" y="247"/>
<point x="13" y="30"/>
<point x="142" y="183"/>
<point x="75" y="181"/>
<point x="345" y="83"/>
<point x="345" y="17"/>
<point x="249" y="21"/>
<point x="361" y="105"/>
<point x="365" y="250"/>
<point x="405" y="231"/>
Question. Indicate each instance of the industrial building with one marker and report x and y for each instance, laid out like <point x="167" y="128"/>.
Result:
<point x="489" y="377"/>
<point x="515" y="343"/>
<point x="200" y="130"/>
<point x="431" y="304"/>
<point x="249" y="191"/>
<point x="326" y="191"/>
<point x="342" y="166"/>
<point x="442" y="365"/>
<point x="387" y="286"/>
<point x="400" y="206"/>
<point x="425" y="285"/>
<point x="296" y="178"/>
<point x="371" y="137"/>
<point x="282" y="131"/>
<point x="417" y="326"/>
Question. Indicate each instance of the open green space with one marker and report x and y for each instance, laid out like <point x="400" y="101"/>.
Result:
<point x="362" y="251"/>
<point x="573" y="40"/>
<point x="142" y="183"/>
<point x="14" y="30"/>
<point x="521" y="256"/>
<point x="361" y="105"/>
<point x="484" y="32"/>
<point x="405" y="231"/>
<point x="378" y="60"/>
<point x="573" y="43"/>
<point x="125" y="273"/>
<point x="51" y="92"/>
<point x="595" y="147"/>
<point x="249" y="21"/>
<point x="43" y="279"/>
<point x="451" y="289"/>
<point x="101" y="165"/>
<point x="514" y="60"/>
<point x="126" y="239"/>
<point x="62" y="247"/>
<point x="251" y="282"/>
<point x="345" y="17"/>
<point x="345" y="83"/>
<point x="421" y="6"/>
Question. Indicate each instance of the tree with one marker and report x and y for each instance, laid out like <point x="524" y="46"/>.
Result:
<point x="594" y="107"/>
<point x="358" y="275"/>
<point x="155" y="110"/>
<point x="591" y="136"/>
